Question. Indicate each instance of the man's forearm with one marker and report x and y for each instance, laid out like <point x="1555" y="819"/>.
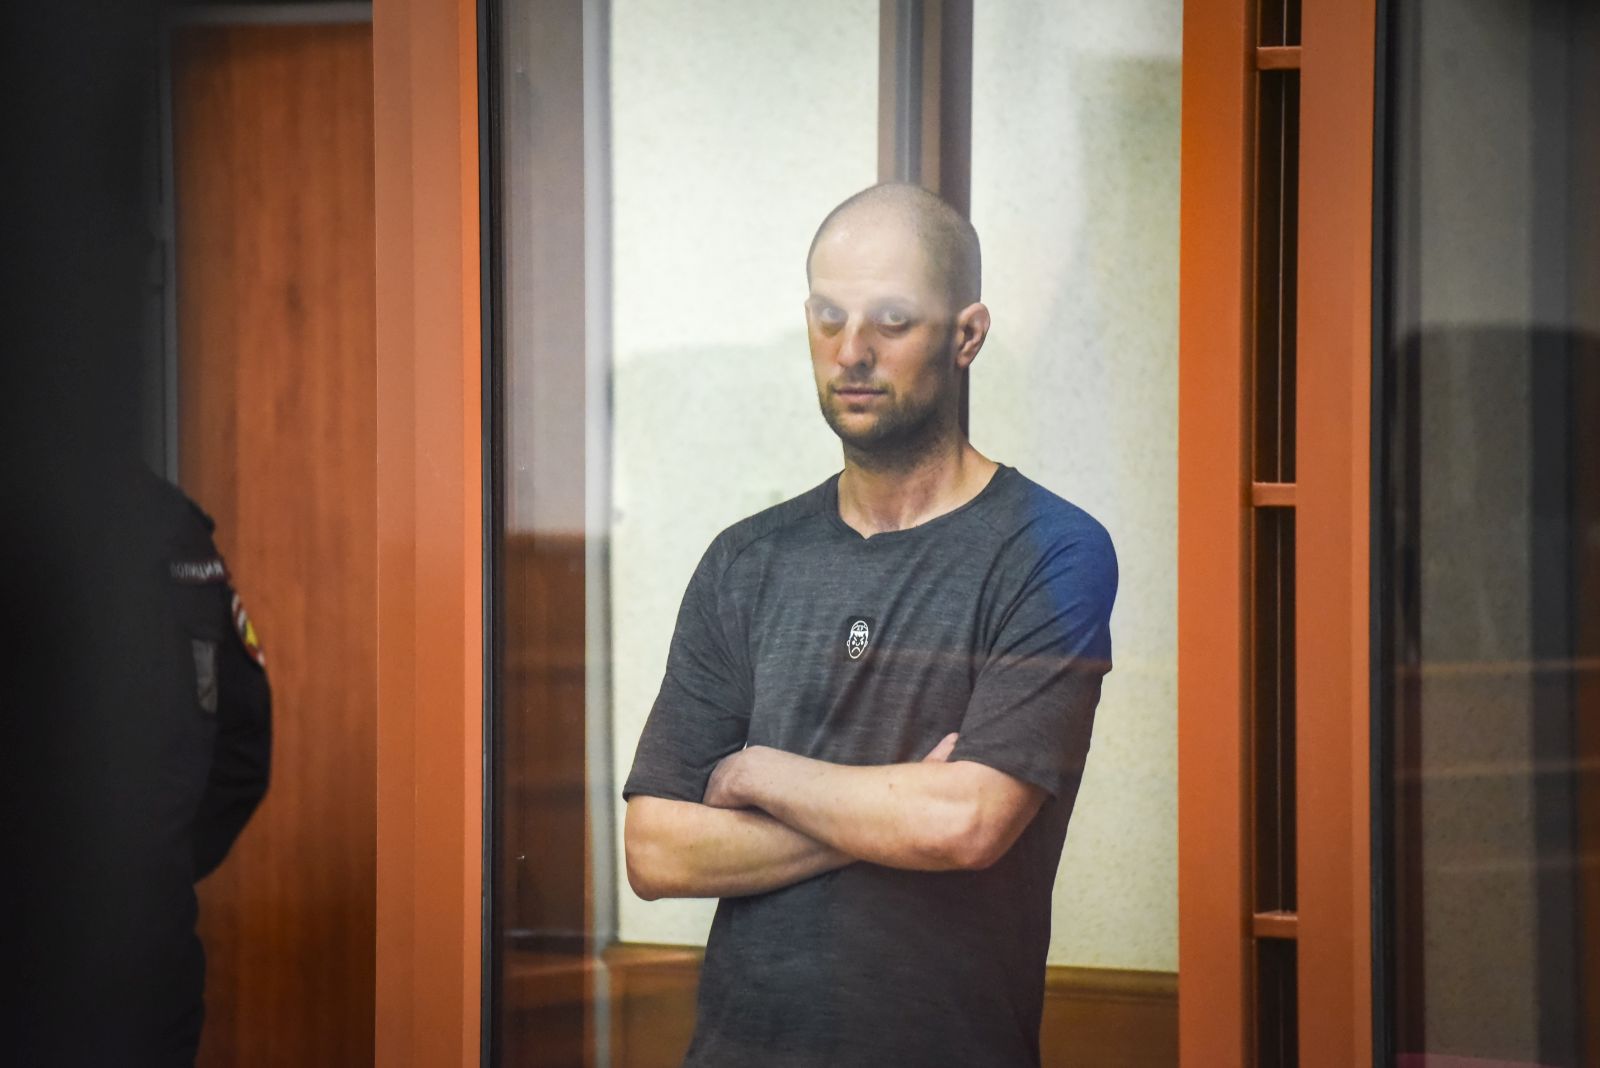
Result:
<point x="930" y="816"/>
<point x="679" y="849"/>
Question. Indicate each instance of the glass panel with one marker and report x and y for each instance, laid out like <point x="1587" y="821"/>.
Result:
<point x="773" y="123"/>
<point x="544" y="913"/>
<point x="1491" y="534"/>
<point x="662" y="170"/>
<point x="1075" y="194"/>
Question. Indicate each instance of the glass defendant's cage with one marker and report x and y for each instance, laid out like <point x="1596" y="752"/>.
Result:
<point x="658" y="172"/>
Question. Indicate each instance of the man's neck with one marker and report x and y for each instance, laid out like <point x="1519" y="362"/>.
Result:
<point x="875" y="500"/>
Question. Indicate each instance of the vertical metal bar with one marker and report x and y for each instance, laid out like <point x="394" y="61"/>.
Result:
<point x="925" y="96"/>
<point x="492" y="504"/>
<point x="1332" y="533"/>
<point x="925" y="102"/>
<point x="900" y="91"/>
<point x="954" y="149"/>
<point x="1394" y="695"/>
<point x="597" y="305"/>
<point x="1214" y="598"/>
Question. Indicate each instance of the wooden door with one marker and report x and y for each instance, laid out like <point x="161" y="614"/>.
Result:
<point x="273" y="184"/>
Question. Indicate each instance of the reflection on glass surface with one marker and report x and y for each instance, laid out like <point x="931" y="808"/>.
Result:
<point x="1492" y="529"/>
<point x="662" y="170"/>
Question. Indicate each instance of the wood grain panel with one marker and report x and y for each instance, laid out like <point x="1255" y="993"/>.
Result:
<point x="1104" y="1016"/>
<point x="273" y="161"/>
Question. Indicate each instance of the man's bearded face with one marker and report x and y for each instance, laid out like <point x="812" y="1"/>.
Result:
<point x="882" y="338"/>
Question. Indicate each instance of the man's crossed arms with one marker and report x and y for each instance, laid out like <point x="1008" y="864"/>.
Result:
<point x="770" y="819"/>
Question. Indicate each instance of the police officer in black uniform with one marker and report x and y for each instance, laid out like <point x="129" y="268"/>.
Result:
<point x="135" y="743"/>
<point x="134" y="717"/>
<point x="232" y="733"/>
<point x="222" y="717"/>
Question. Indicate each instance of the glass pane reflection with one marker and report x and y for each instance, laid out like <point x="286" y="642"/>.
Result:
<point x="661" y="172"/>
<point x="1492" y="512"/>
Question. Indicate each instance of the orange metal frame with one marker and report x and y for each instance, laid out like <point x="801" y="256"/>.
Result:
<point x="1333" y="610"/>
<point x="430" y="537"/>
<point x="1331" y="497"/>
<point x="1213" y="338"/>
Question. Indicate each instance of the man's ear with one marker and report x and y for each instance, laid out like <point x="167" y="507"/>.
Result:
<point x="972" y="326"/>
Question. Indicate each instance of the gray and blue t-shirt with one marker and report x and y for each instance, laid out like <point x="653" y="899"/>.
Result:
<point x="796" y="632"/>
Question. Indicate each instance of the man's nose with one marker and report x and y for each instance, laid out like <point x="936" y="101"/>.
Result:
<point x="855" y="346"/>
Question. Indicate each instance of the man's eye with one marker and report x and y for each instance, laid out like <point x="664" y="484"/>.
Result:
<point x="830" y="316"/>
<point x="893" y="320"/>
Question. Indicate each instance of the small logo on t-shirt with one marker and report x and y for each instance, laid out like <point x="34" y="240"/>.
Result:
<point x="856" y="639"/>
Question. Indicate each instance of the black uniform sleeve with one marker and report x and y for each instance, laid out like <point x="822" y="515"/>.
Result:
<point x="241" y="758"/>
<point x="1033" y="702"/>
<point x="702" y="712"/>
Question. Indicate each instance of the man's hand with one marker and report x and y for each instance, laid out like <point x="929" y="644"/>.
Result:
<point x="722" y="789"/>
<point x="940" y="754"/>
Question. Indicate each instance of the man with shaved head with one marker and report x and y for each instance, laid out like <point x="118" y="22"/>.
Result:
<point x="878" y="698"/>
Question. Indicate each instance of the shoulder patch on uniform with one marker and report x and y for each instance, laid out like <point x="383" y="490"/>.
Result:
<point x="247" y="633"/>
<point x="201" y="572"/>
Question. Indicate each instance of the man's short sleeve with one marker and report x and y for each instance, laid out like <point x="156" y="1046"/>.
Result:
<point x="702" y="712"/>
<point x="1034" y="697"/>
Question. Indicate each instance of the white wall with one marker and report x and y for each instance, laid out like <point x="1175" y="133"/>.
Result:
<point x="1075" y="196"/>
<point x="735" y="128"/>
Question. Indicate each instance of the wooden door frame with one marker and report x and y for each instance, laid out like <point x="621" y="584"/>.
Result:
<point x="430" y="534"/>
<point x="1333" y="924"/>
